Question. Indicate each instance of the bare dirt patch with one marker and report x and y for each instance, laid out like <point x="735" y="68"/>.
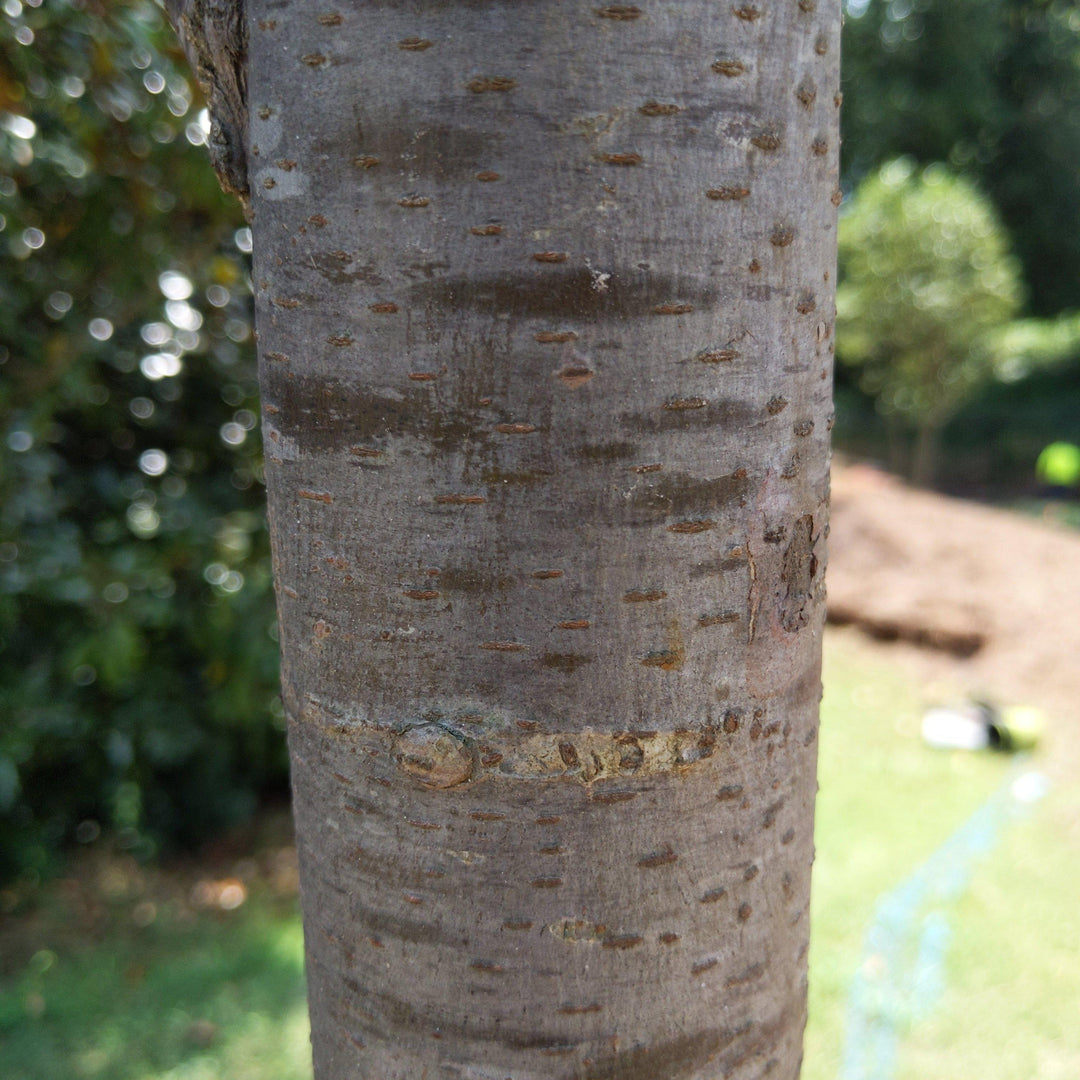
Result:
<point x="977" y="601"/>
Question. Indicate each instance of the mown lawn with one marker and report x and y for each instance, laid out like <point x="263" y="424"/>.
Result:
<point x="1007" y="1008"/>
<point x="206" y="1000"/>
<point x="122" y="973"/>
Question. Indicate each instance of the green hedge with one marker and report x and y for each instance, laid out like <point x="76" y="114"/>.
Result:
<point x="138" y="666"/>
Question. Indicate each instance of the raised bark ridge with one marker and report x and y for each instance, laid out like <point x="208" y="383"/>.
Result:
<point x="214" y="36"/>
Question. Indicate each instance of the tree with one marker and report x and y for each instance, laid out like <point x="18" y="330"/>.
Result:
<point x="927" y="288"/>
<point x="132" y="539"/>
<point x="544" y="302"/>
<point x="992" y="89"/>
<point x="926" y="304"/>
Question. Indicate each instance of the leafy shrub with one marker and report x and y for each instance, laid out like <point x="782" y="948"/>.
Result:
<point x="138" y="667"/>
<point x="926" y="287"/>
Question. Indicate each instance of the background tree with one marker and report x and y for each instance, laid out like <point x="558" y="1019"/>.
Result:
<point x="927" y="304"/>
<point x="991" y="88"/>
<point x="544" y="302"/>
<point x="927" y="286"/>
<point x="138" y="674"/>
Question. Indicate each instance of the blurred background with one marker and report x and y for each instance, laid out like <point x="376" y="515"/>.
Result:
<point x="148" y="912"/>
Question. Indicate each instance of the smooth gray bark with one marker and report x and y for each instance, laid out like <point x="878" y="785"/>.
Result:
<point x="545" y="309"/>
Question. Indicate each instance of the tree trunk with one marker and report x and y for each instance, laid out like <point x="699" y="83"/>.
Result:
<point x="545" y="305"/>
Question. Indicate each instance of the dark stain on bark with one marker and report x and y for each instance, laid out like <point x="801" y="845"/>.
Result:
<point x="474" y="581"/>
<point x="672" y="493"/>
<point x="388" y="1013"/>
<point x="360" y="807"/>
<point x="515" y="478"/>
<point x="335" y="267"/>
<point x="675" y="1059"/>
<point x="606" y="452"/>
<point x="798" y="576"/>
<point x="717" y="566"/>
<point x="398" y="926"/>
<point x="323" y="414"/>
<point x="564" y="292"/>
<point x="731" y="414"/>
<point x="567" y="663"/>
<point x="763" y="1039"/>
<point x="438" y="152"/>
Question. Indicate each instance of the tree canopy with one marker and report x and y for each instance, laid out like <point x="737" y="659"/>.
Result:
<point x="926" y="282"/>
<point x="992" y="89"/>
<point x="137" y="666"/>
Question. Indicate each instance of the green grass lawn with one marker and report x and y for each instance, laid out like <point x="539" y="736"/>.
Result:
<point x="1009" y="1010"/>
<point x="124" y="974"/>
<point x="188" y="997"/>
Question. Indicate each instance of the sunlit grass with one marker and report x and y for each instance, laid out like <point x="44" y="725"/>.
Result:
<point x="1011" y="1010"/>
<point x="198" y="994"/>
<point x="886" y="803"/>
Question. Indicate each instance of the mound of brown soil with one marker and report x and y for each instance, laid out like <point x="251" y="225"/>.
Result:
<point x="983" y="598"/>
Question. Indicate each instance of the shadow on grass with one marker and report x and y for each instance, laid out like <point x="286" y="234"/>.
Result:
<point x="173" y="984"/>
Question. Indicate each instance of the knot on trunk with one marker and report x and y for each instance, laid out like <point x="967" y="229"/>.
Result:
<point x="434" y="755"/>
